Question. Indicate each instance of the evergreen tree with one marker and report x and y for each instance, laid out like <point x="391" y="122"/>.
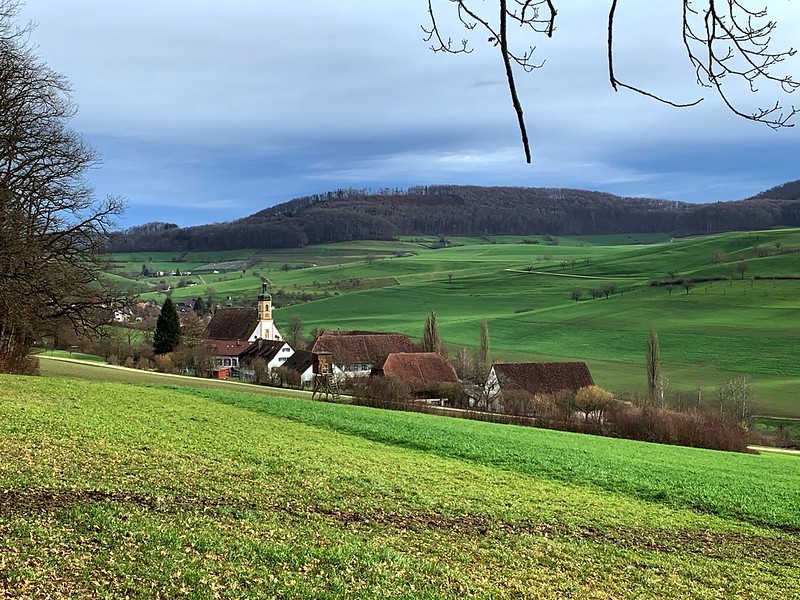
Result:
<point x="168" y="329"/>
<point x="431" y="340"/>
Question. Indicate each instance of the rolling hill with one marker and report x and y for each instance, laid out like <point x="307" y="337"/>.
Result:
<point x="347" y="215"/>
<point x="726" y="325"/>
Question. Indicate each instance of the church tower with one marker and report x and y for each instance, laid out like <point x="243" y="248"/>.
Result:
<point x="266" y="327"/>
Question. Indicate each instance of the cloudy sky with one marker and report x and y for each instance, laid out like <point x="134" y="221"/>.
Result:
<point x="208" y="111"/>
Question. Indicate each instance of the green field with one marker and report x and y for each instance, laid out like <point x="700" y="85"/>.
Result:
<point x="111" y="489"/>
<point x="717" y="331"/>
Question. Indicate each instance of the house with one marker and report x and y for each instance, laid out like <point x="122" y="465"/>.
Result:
<point x="536" y="379"/>
<point x="300" y="367"/>
<point x="226" y="352"/>
<point x="425" y="373"/>
<point x="274" y="353"/>
<point x="357" y="352"/>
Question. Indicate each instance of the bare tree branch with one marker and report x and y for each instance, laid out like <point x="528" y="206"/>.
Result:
<point x="52" y="229"/>
<point x="725" y="41"/>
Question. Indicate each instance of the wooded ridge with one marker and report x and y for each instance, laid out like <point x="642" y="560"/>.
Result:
<point x="351" y="214"/>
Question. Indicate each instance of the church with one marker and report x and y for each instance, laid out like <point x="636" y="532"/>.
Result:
<point x="234" y="334"/>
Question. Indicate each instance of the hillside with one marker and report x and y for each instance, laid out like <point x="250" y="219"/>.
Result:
<point x="123" y="490"/>
<point x="346" y="215"/>
<point x="740" y="324"/>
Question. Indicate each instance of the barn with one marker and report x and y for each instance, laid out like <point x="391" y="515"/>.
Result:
<point x="536" y="379"/>
<point x="425" y="373"/>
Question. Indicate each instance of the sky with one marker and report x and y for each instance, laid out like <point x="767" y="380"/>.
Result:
<point x="206" y="111"/>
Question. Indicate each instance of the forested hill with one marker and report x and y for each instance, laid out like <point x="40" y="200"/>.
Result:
<point x="344" y="215"/>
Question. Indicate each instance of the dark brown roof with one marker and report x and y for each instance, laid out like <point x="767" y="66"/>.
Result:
<point x="266" y="349"/>
<point x="543" y="378"/>
<point x="361" y="347"/>
<point x="232" y="324"/>
<point x="227" y="347"/>
<point x="419" y="370"/>
<point x="300" y="361"/>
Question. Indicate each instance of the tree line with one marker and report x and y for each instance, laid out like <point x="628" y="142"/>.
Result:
<point x="346" y="215"/>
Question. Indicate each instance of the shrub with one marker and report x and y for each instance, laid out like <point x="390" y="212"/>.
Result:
<point x="664" y="426"/>
<point x="381" y="392"/>
<point x="164" y="363"/>
<point x="592" y="400"/>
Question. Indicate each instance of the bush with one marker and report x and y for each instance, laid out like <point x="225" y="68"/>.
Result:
<point x="381" y="392"/>
<point x="664" y="426"/>
<point x="164" y="363"/>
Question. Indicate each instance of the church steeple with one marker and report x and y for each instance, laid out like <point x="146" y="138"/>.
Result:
<point x="266" y="329"/>
<point x="264" y="304"/>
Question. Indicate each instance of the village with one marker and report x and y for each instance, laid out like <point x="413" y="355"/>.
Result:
<point x="241" y="339"/>
<point x="391" y="370"/>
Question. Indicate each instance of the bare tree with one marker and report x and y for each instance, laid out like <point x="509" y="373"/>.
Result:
<point x="431" y="338"/>
<point x="736" y="400"/>
<point x="52" y="229"/>
<point x="295" y="333"/>
<point x="592" y="401"/>
<point x="741" y="267"/>
<point x="464" y="365"/>
<point x="725" y="41"/>
<point x="483" y="361"/>
<point x="653" y="362"/>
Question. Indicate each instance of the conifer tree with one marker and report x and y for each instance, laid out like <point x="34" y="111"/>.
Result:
<point x="168" y="329"/>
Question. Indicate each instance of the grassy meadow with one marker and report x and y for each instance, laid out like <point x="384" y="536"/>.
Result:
<point x="114" y="489"/>
<point x="714" y="332"/>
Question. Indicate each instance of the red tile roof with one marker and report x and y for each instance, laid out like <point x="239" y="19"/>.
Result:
<point x="543" y="378"/>
<point x="419" y="370"/>
<point x="232" y="324"/>
<point x="361" y="347"/>
<point x="227" y="347"/>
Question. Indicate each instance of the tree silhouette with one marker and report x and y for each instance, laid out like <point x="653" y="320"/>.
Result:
<point x="724" y="41"/>
<point x="431" y="339"/>
<point x="653" y="361"/>
<point x="52" y="229"/>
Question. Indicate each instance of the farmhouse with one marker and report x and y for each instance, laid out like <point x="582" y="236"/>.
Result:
<point x="226" y="352"/>
<point x="357" y="352"/>
<point x="536" y="379"/>
<point x="425" y="373"/>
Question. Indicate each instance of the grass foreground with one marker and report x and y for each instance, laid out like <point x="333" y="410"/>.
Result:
<point x="114" y="489"/>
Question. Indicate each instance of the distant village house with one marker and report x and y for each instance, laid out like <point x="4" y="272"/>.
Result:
<point x="355" y="353"/>
<point x="426" y="374"/>
<point x="535" y="379"/>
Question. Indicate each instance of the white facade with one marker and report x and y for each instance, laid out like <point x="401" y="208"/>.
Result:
<point x="265" y="329"/>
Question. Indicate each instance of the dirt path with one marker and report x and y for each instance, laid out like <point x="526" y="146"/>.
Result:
<point x="573" y="276"/>
<point x="771" y="449"/>
<point x="139" y="376"/>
